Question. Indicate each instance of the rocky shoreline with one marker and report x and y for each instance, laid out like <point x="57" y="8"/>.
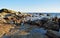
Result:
<point x="23" y="25"/>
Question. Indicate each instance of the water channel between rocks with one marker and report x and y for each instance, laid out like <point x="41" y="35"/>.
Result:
<point x="33" y="31"/>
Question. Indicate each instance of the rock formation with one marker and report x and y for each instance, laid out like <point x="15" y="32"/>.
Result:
<point x="19" y="25"/>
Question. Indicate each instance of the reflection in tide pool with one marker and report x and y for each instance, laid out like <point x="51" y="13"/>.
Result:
<point x="39" y="30"/>
<point x="34" y="29"/>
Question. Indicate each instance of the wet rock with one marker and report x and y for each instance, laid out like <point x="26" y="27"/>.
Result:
<point x="38" y="22"/>
<point x="33" y="22"/>
<point x="59" y="22"/>
<point x="53" y="34"/>
<point x="51" y="25"/>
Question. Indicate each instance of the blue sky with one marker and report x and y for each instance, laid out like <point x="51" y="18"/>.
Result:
<point x="31" y="5"/>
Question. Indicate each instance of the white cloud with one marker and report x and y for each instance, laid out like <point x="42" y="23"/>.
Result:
<point x="41" y="10"/>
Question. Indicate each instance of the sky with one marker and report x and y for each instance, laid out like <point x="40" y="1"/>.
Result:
<point x="31" y="5"/>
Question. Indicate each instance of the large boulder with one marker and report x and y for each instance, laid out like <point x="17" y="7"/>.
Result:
<point x="7" y="11"/>
<point x="5" y="28"/>
<point x="51" y="25"/>
<point x="38" y="22"/>
<point x="53" y="34"/>
<point x="3" y="10"/>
